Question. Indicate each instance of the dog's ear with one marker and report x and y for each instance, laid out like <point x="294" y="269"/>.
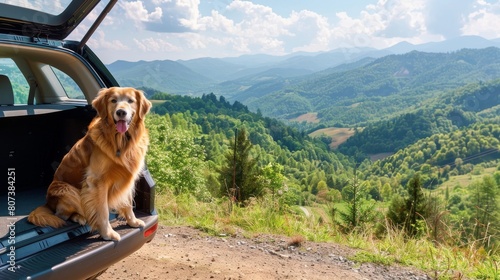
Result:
<point x="144" y="104"/>
<point x="100" y="103"/>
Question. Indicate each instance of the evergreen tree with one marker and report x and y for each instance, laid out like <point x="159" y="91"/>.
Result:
<point x="239" y="177"/>
<point x="396" y="211"/>
<point x="358" y="210"/>
<point x="409" y="212"/>
<point x="485" y="205"/>
<point x="415" y="204"/>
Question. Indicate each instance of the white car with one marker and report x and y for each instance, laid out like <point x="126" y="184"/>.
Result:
<point x="47" y="84"/>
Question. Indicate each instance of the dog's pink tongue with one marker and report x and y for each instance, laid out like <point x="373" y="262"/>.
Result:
<point x="121" y="126"/>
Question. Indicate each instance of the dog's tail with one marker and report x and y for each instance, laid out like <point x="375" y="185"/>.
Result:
<point x="43" y="216"/>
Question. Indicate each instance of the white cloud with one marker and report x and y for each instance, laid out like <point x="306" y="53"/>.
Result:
<point x="380" y="25"/>
<point x="446" y="17"/>
<point x="50" y="6"/>
<point x="216" y="22"/>
<point x="179" y="28"/>
<point x="256" y="19"/>
<point x="155" y="45"/>
<point x="163" y="15"/>
<point x="190" y="12"/>
<point x="99" y="40"/>
<point x="246" y="27"/>
<point x="484" y="21"/>
<point x="311" y="32"/>
<point x="136" y="11"/>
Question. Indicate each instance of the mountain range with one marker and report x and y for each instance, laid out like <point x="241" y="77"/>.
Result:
<point x="358" y="80"/>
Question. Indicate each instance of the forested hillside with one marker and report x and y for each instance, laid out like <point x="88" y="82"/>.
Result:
<point x="434" y="142"/>
<point x="381" y="88"/>
<point x="442" y="154"/>
<point x="450" y="110"/>
<point x="356" y="90"/>
<point x="243" y="169"/>
<point x="213" y="122"/>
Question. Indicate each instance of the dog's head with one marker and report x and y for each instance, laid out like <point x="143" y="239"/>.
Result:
<point x="121" y="105"/>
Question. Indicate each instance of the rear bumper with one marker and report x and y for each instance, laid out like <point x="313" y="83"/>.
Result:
<point x="83" y="256"/>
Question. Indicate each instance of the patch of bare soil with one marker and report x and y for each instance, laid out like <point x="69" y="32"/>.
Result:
<point x="379" y="156"/>
<point x="338" y="134"/>
<point x="187" y="253"/>
<point x="308" y="117"/>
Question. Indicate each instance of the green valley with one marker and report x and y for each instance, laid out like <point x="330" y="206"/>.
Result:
<point x="350" y="200"/>
<point x="397" y="155"/>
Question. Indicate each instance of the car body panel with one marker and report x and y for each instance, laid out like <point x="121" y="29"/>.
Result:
<point x="32" y="21"/>
<point x="82" y="256"/>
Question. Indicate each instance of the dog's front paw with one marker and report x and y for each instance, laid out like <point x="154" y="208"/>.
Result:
<point x="111" y="235"/>
<point x="136" y="223"/>
<point x="77" y="218"/>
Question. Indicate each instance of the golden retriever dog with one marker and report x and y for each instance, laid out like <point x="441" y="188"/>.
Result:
<point x="100" y="170"/>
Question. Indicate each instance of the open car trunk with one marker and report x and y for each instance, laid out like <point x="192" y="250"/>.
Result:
<point x="40" y="136"/>
<point x="32" y="153"/>
<point x="47" y="85"/>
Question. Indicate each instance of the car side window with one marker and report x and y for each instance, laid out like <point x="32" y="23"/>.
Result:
<point x="20" y="86"/>
<point x="72" y="90"/>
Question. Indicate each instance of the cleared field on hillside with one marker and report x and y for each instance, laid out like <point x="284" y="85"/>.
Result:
<point x="157" y="102"/>
<point x="467" y="179"/>
<point x="338" y="134"/>
<point x="379" y="156"/>
<point x="308" y="117"/>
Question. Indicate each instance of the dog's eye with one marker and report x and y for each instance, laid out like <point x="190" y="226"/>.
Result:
<point x="130" y="101"/>
<point x="113" y="100"/>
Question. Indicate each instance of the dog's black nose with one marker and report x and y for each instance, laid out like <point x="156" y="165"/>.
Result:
<point x="121" y="113"/>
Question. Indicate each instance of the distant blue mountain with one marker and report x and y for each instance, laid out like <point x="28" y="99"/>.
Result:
<point x="386" y="84"/>
<point x="213" y="68"/>
<point x="454" y="44"/>
<point x="165" y="76"/>
<point x="204" y="75"/>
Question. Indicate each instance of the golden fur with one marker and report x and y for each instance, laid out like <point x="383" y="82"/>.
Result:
<point x="100" y="170"/>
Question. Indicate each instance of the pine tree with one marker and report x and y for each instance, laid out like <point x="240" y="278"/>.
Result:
<point x="408" y="212"/>
<point x="485" y="204"/>
<point x="414" y="205"/>
<point x="239" y="174"/>
<point x="358" y="210"/>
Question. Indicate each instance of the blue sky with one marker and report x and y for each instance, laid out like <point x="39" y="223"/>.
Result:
<point x="186" y="29"/>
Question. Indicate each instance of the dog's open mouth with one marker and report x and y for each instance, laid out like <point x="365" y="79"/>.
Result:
<point x="122" y="126"/>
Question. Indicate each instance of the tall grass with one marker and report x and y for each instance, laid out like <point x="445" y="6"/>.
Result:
<point x="222" y="217"/>
<point x="261" y="216"/>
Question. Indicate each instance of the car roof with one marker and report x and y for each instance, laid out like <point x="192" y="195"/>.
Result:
<point x="45" y="19"/>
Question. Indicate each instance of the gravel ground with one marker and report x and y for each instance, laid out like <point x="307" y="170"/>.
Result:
<point x="187" y="253"/>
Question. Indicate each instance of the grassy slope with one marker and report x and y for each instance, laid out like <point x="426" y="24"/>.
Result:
<point x="466" y="179"/>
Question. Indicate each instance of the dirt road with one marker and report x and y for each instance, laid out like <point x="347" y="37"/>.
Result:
<point x="187" y="253"/>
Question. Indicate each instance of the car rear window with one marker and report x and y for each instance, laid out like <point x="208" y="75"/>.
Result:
<point x="72" y="90"/>
<point x="47" y="6"/>
<point x="20" y="86"/>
